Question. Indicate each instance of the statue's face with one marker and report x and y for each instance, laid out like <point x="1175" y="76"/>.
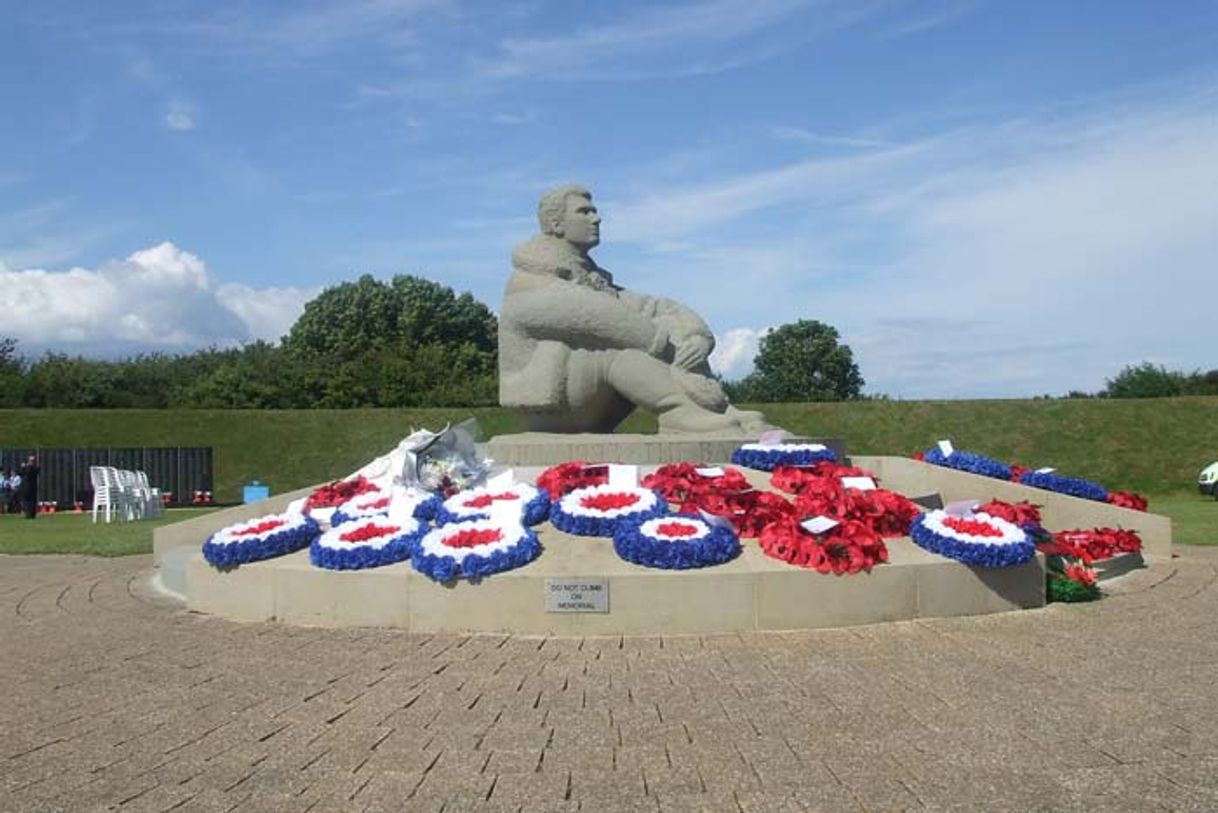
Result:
<point x="581" y="224"/>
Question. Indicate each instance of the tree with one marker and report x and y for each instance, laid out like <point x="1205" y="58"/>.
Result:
<point x="367" y="316"/>
<point x="408" y="342"/>
<point x="1144" y="380"/>
<point x="12" y="384"/>
<point x="801" y="361"/>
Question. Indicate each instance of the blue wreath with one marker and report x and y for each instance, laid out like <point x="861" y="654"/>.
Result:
<point x="971" y="553"/>
<point x="769" y="459"/>
<point x="536" y="510"/>
<point x="970" y="462"/>
<point x="230" y="554"/>
<point x="474" y="567"/>
<point x="1073" y="486"/>
<point x="584" y="525"/>
<point x="719" y="546"/>
<point x="424" y="511"/>
<point x="359" y="557"/>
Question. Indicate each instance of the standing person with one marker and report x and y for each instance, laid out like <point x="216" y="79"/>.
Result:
<point x="29" y="487"/>
<point x="14" y="493"/>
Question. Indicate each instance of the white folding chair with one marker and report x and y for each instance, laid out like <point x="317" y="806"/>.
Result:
<point x="124" y="485"/>
<point x="151" y="496"/>
<point x="105" y="491"/>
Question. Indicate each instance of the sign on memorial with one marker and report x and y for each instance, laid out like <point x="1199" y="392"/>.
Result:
<point x="577" y="595"/>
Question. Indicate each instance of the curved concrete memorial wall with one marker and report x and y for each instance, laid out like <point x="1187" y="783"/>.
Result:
<point x="578" y="586"/>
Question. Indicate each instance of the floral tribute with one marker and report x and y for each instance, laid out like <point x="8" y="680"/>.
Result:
<point x="1024" y="514"/>
<point x="675" y="542"/>
<point x="366" y="542"/>
<point x="849" y="547"/>
<point x="261" y="538"/>
<point x="596" y="510"/>
<point x="474" y="549"/>
<point x="531" y="504"/>
<point x="681" y="482"/>
<point x="766" y="456"/>
<point x="1069" y="581"/>
<point x="564" y="478"/>
<point x="1127" y="499"/>
<point x="334" y="494"/>
<point x="1072" y="486"/>
<point x="979" y="539"/>
<point x="748" y="511"/>
<point x="968" y="461"/>
<point x="727" y="495"/>
<point x="1092" y="546"/>
<point x="819" y="491"/>
<point x="421" y="506"/>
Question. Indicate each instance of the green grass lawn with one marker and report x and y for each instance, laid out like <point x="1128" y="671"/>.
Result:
<point x="1194" y="518"/>
<point x="76" y="533"/>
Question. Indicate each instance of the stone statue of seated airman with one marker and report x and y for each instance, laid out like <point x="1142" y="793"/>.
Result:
<point x="577" y="352"/>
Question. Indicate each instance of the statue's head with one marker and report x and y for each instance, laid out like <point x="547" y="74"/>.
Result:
<point x="567" y="212"/>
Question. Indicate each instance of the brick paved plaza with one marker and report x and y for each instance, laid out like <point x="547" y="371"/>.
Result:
<point x="114" y="700"/>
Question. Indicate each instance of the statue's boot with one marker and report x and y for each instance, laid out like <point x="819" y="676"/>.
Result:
<point x="703" y="390"/>
<point x="750" y="420"/>
<point x="692" y="419"/>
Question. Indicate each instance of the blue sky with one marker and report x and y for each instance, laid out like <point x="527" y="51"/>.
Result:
<point x="987" y="199"/>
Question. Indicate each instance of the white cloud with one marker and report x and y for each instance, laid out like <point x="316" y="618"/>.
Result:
<point x="683" y="31"/>
<point x="179" y="119"/>
<point x="1026" y="257"/>
<point x="735" y="350"/>
<point x="675" y="211"/>
<point x="269" y="313"/>
<point x="159" y="298"/>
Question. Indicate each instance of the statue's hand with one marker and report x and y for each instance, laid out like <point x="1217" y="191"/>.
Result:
<point x="692" y="351"/>
<point x="659" y="343"/>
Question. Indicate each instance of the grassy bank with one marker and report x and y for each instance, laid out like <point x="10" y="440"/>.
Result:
<point x="1154" y="446"/>
<point x="76" y="533"/>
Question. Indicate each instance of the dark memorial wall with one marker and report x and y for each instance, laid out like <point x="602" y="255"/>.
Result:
<point x="64" y="479"/>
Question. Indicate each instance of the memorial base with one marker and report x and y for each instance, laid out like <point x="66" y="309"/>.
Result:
<point x="579" y="586"/>
<point x="753" y="592"/>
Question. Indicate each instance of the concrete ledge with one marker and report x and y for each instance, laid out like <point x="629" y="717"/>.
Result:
<point x="546" y="449"/>
<point x="1059" y="512"/>
<point x="1118" y="565"/>
<point x="753" y="592"/>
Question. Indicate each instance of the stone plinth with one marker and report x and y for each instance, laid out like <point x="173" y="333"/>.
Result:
<point x="546" y="449"/>
<point x="752" y="592"/>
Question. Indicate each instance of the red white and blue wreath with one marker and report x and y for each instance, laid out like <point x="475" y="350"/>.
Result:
<point x="767" y="456"/>
<point x="399" y="502"/>
<point x="532" y="504"/>
<point x="261" y="538"/>
<point x="597" y="510"/>
<point x="676" y="542"/>
<point x="367" y="542"/>
<point x="979" y="539"/>
<point x="474" y="549"/>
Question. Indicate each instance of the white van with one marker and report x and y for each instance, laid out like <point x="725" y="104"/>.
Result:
<point x="1208" y="481"/>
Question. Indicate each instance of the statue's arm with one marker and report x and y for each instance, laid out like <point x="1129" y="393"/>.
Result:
<point x="583" y="318"/>
<point x="691" y="337"/>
